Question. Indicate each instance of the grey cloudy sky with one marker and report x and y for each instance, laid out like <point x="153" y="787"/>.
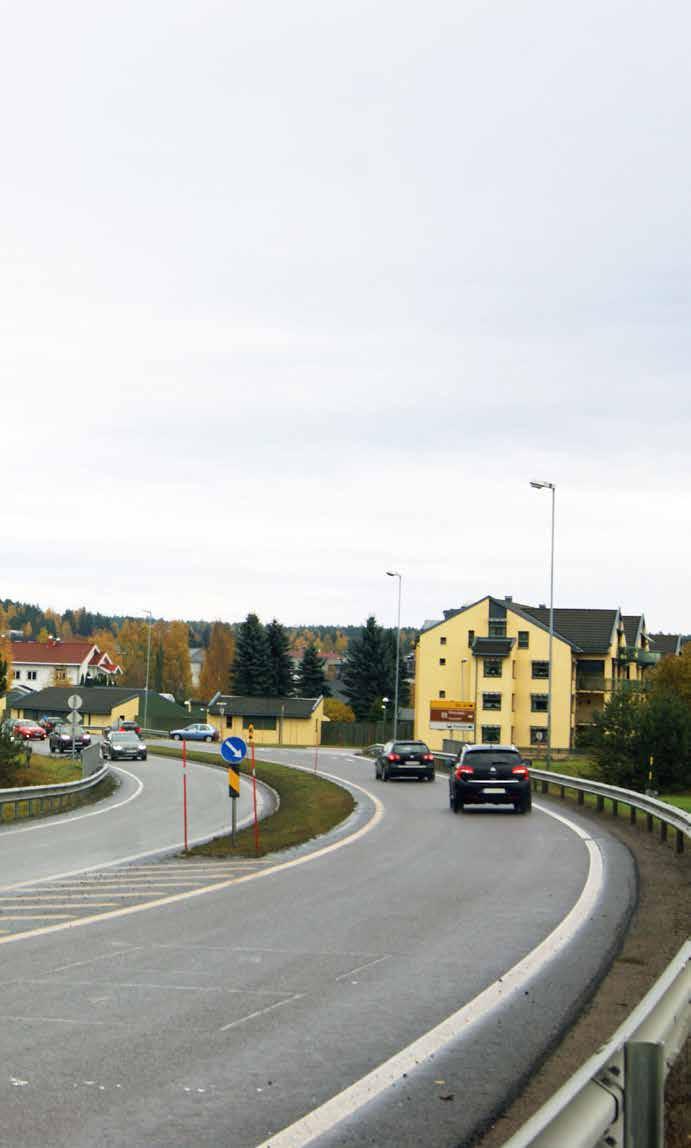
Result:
<point x="295" y="292"/>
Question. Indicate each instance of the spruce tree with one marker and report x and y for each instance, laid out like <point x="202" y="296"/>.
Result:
<point x="252" y="663"/>
<point x="311" y="676"/>
<point x="370" y="670"/>
<point x="281" y="664"/>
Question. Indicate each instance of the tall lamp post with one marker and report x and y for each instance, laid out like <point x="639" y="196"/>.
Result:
<point x="552" y="487"/>
<point x="148" y="663"/>
<point x="395" y="574"/>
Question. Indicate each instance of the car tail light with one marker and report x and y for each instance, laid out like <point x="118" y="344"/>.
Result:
<point x="464" y="771"/>
<point x="392" y="757"/>
<point x="428" y="757"/>
<point x="520" y="771"/>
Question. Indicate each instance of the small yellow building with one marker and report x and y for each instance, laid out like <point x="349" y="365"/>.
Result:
<point x="276" y="721"/>
<point x="101" y="706"/>
<point x="482" y="674"/>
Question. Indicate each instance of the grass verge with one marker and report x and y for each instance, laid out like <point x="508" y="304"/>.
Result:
<point x="46" y="806"/>
<point x="309" y="806"/>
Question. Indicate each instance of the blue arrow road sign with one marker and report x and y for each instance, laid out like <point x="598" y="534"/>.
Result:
<point x="233" y="749"/>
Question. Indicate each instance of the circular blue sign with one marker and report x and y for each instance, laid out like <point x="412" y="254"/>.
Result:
<point x="233" y="749"/>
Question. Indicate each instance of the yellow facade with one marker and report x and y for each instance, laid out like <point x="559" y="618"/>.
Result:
<point x="447" y="666"/>
<point x="91" y="720"/>
<point x="283" y="730"/>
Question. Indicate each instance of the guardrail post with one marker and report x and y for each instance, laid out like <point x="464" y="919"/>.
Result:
<point x="649" y="822"/>
<point x="680" y="841"/>
<point x="632" y="814"/>
<point x="581" y="797"/>
<point x="600" y="803"/>
<point x="663" y="831"/>
<point x="644" y="1085"/>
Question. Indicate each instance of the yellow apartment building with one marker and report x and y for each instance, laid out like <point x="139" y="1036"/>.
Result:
<point x="482" y="673"/>
<point x="276" y="721"/>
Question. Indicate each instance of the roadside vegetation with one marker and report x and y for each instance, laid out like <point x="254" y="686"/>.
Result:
<point x="309" y="806"/>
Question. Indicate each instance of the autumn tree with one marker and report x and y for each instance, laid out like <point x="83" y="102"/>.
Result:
<point x="251" y="672"/>
<point x="311" y="681"/>
<point x="281" y="685"/>
<point x="132" y="644"/>
<point x="673" y="674"/>
<point x="177" y="673"/>
<point x="107" y="644"/>
<point x="5" y="662"/>
<point x="215" y="675"/>
<point x="336" y="710"/>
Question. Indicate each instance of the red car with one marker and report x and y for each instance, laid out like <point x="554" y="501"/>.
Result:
<point x="29" y="730"/>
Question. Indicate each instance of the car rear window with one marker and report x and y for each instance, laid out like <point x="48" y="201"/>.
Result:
<point x="410" y="747"/>
<point x="498" y="756"/>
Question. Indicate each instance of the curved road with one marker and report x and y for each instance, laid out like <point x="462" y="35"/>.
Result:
<point x="235" y="1018"/>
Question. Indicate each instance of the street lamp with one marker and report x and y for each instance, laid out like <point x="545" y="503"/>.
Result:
<point x="148" y="662"/>
<point x="395" y="574"/>
<point x="552" y="487"/>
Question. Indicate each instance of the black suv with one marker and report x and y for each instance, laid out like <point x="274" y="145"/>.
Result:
<point x="490" y="775"/>
<point x="404" y="759"/>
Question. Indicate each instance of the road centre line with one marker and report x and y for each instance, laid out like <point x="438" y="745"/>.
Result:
<point x="55" y="1020"/>
<point x="217" y="886"/>
<point x="361" y="968"/>
<point x="418" y="1054"/>
<point x="101" y="957"/>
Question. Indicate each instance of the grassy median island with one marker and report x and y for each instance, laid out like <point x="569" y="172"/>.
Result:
<point x="309" y="806"/>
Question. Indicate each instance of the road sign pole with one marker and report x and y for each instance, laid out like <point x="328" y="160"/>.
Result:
<point x="184" y="789"/>
<point x="234" y="821"/>
<point x="254" y="802"/>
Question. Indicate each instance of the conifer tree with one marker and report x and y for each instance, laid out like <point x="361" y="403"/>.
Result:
<point x="251" y="672"/>
<point x="281" y="664"/>
<point x="370" y="670"/>
<point x="311" y="676"/>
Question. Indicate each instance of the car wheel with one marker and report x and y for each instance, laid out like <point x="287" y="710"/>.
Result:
<point x="456" y="803"/>
<point x="525" y="805"/>
<point x="432" y="776"/>
<point x="207" y="738"/>
<point x="176" y="737"/>
<point x="384" y="773"/>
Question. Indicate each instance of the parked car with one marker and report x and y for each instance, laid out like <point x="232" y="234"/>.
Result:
<point x="404" y="759"/>
<point x="28" y="729"/>
<point x="49" y="721"/>
<point x="490" y="775"/>
<point x="60" y="739"/>
<point x="198" y="731"/>
<point x="124" y="727"/>
<point x="119" y="745"/>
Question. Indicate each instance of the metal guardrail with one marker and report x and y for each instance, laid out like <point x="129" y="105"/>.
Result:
<point x="48" y="793"/>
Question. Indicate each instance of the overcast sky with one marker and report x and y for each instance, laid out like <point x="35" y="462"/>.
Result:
<point x="294" y="292"/>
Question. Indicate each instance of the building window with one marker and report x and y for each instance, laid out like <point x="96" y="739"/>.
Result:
<point x="471" y="637"/>
<point x="540" y="669"/>
<point x="523" y="639"/>
<point x="442" y="661"/>
<point x="538" y="735"/>
<point x="491" y="733"/>
<point x="442" y="693"/>
<point x="497" y="629"/>
<point x="491" y="701"/>
<point x="492" y="667"/>
<point x="31" y="675"/>
<point x="258" y="722"/>
<point x="539" y="703"/>
<point x="17" y="674"/>
<point x="442" y="641"/>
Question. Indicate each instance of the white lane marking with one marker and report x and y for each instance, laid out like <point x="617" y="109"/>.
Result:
<point x="217" y="886"/>
<point x="346" y="1103"/>
<point x="261" y="1012"/>
<point x="55" y="823"/>
<point x="367" y="965"/>
<point x="53" y="905"/>
<point x="102" y="957"/>
<point x="38" y="917"/>
<point x="55" y="1020"/>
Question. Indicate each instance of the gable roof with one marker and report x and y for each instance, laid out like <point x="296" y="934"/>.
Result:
<point x="634" y="626"/>
<point x="667" y="643"/>
<point x="589" y="631"/>
<point x="95" y="699"/>
<point x="52" y="653"/>
<point x="241" y="706"/>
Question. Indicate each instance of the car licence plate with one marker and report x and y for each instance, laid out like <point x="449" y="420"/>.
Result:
<point x="494" y="789"/>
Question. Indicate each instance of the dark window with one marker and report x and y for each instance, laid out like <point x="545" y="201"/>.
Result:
<point x="492" y="667"/>
<point x="523" y="639"/>
<point x="442" y="693"/>
<point x="539" y="703"/>
<point x="442" y="641"/>
<point x="540" y="669"/>
<point x="259" y="722"/>
<point x="31" y="675"/>
<point x="497" y="629"/>
<point x="491" y="701"/>
<point x="491" y="734"/>
<point x="442" y="661"/>
<point x="538" y="735"/>
<point x="471" y="637"/>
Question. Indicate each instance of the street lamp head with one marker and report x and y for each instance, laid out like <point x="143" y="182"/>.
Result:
<point x="542" y="485"/>
<point x="393" y="574"/>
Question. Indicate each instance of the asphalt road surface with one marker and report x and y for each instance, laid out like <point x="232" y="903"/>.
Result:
<point x="376" y="988"/>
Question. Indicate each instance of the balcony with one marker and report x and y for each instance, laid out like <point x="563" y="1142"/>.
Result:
<point x="593" y="684"/>
<point x="629" y="654"/>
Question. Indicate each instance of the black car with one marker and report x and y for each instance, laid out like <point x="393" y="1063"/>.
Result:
<point x="123" y="745"/>
<point x="490" y="775"/>
<point x="404" y="759"/>
<point x="60" y="738"/>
